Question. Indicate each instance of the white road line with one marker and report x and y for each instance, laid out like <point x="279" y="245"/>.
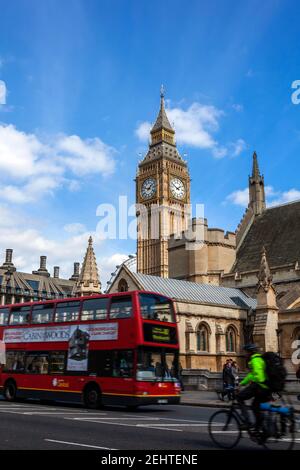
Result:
<point x="177" y="419"/>
<point x="55" y="413"/>
<point x="178" y="424"/>
<point x="78" y="444"/>
<point x="123" y="424"/>
<point x="158" y="427"/>
<point x="118" y="419"/>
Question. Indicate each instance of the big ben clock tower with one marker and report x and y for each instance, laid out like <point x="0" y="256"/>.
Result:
<point x="162" y="191"/>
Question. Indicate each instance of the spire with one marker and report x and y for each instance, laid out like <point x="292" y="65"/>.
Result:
<point x="264" y="276"/>
<point x="255" y="169"/>
<point x="257" y="200"/>
<point x="265" y="329"/>
<point x="162" y="131"/>
<point x="88" y="282"/>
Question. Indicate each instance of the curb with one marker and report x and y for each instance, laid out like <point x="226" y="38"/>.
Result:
<point x="217" y="405"/>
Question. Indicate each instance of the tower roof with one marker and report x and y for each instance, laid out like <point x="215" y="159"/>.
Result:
<point x="162" y="121"/>
<point x="88" y="282"/>
<point x="255" y="168"/>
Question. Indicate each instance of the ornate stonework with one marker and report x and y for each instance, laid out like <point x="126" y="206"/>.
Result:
<point x="88" y="282"/>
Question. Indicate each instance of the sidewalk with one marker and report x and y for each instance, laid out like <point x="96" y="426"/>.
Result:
<point x="210" y="399"/>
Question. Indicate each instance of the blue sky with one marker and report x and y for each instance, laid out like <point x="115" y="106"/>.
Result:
<point x="79" y="84"/>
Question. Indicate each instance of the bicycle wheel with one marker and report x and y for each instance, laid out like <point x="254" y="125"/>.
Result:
<point x="224" y="429"/>
<point x="279" y="431"/>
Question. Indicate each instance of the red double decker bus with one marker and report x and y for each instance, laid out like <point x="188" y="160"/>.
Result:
<point x="115" y="349"/>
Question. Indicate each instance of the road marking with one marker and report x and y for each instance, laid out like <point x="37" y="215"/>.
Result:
<point x="118" y="419"/>
<point x="178" y="424"/>
<point x="103" y="421"/>
<point x="78" y="444"/>
<point x="61" y="413"/>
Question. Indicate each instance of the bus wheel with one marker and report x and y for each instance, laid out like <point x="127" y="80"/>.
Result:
<point x="92" y="397"/>
<point x="10" y="391"/>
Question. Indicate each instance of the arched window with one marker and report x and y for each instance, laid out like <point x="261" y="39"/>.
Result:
<point x="230" y="339"/>
<point x="202" y="338"/>
<point x="122" y="286"/>
<point x="296" y="334"/>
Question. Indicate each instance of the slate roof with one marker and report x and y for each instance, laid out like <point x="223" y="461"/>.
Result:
<point x="194" y="292"/>
<point x="278" y="230"/>
<point x="162" y="120"/>
<point x="34" y="285"/>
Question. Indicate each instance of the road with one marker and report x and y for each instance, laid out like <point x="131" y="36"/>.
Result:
<point x="31" y="425"/>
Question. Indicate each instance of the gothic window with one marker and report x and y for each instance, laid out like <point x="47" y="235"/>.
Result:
<point x="202" y="338"/>
<point x="230" y="339"/>
<point x="296" y="334"/>
<point x="187" y="341"/>
<point x="122" y="286"/>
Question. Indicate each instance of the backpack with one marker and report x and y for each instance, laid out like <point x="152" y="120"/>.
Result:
<point x="275" y="371"/>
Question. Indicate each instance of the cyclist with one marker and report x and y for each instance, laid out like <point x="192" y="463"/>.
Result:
<point x="256" y="386"/>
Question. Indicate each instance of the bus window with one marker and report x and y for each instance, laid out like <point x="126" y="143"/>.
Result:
<point x="120" y="307"/>
<point x="42" y="313"/>
<point x="156" y="307"/>
<point x="67" y="311"/>
<point x="20" y="315"/>
<point x="15" y="361"/>
<point x="156" y="363"/>
<point x="57" y="360"/>
<point x="36" y="363"/>
<point x="94" y="309"/>
<point x="111" y="363"/>
<point x="4" y="314"/>
<point x="122" y="364"/>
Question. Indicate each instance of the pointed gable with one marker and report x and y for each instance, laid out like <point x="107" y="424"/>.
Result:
<point x="88" y="282"/>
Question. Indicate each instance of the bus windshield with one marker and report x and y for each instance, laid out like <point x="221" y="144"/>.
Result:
<point x="157" y="364"/>
<point x="156" y="307"/>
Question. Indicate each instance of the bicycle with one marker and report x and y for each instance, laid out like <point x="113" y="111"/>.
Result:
<point x="276" y="433"/>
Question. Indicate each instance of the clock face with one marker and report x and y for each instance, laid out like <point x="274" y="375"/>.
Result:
<point x="177" y="188"/>
<point x="148" y="188"/>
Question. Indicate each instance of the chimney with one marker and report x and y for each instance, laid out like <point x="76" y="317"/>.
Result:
<point x="75" y="275"/>
<point x="43" y="263"/>
<point x="56" y="272"/>
<point x="8" y="264"/>
<point x="42" y="271"/>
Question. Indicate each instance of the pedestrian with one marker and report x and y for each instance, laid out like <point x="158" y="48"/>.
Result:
<point x="228" y="380"/>
<point x="180" y="369"/>
<point x="235" y="371"/>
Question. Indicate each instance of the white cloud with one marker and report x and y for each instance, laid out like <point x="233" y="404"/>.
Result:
<point x="238" y="107"/>
<point x="194" y="127"/>
<point x="238" y="147"/>
<point x="286" y="196"/>
<point x="76" y="227"/>
<point x="31" y="168"/>
<point x="29" y="244"/>
<point x="3" y="91"/>
<point x="143" y="131"/>
<point x="241" y="196"/>
<point x="86" y="156"/>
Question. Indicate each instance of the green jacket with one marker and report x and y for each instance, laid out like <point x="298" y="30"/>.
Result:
<point x="257" y="372"/>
